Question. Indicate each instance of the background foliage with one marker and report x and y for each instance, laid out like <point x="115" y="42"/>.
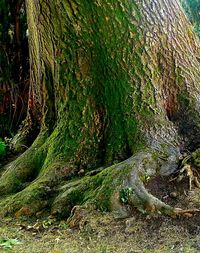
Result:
<point x="14" y="65"/>
<point x="192" y="9"/>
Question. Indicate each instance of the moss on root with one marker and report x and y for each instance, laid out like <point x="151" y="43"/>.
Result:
<point x="22" y="171"/>
<point x="100" y="191"/>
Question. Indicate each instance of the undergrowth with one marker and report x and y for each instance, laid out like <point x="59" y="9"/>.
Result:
<point x="2" y="148"/>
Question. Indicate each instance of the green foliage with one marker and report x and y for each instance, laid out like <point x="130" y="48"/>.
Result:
<point x="2" y="148"/>
<point x="14" y="66"/>
<point x="192" y="9"/>
<point x="8" y="41"/>
<point x="125" y="194"/>
<point x="8" y="244"/>
<point x="197" y="29"/>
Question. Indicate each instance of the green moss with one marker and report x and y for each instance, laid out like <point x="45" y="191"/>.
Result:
<point x="91" y="190"/>
<point x="98" y="87"/>
<point x="103" y="192"/>
<point x="105" y="184"/>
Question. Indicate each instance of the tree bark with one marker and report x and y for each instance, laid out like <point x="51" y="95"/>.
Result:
<point x="110" y="80"/>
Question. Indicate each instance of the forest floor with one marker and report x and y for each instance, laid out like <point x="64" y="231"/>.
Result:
<point x="102" y="233"/>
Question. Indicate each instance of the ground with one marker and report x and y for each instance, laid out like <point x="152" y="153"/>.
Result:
<point x="103" y="234"/>
<point x="99" y="232"/>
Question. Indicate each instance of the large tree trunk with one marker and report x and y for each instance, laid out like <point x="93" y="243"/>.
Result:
<point x="110" y="80"/>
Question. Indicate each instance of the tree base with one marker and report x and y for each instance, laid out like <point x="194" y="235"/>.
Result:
<point x="119" y="188"/>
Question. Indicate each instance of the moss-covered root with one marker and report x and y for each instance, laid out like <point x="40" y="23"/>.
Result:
<point x="15" y="176"/>
<point x="117" y="188"/>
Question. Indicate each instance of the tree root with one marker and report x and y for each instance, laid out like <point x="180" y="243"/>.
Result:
<point x="118" y="188"/>
<point x="25" y="169"/>
<point x="179" y="211"/>
<point x="145" y="201"/>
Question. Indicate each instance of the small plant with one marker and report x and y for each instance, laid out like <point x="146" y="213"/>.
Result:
<point x="47" y="223"/>
<point x="125" y="194"/>
<point x="7" y="244"/>
<point x="103" y="249"/>
<point x="2" y="148"/>
<point x="64" y="225"/>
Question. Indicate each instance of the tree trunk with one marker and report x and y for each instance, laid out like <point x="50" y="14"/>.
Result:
<point x="111" y="81"/>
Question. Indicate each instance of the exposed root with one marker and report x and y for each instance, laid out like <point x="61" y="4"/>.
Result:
<point x="24" y="170"/>
<point x="188" y="213"/>
<point x="145" y="201"/>
<point x="78" y="213"/>
<point x="118" y="188"/>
